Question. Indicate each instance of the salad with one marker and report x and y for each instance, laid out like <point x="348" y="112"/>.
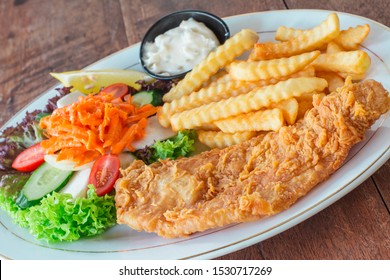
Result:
<point x="59" y="165"/>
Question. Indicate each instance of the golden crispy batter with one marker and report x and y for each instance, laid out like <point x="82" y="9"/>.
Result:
<point x="260" y="177"/>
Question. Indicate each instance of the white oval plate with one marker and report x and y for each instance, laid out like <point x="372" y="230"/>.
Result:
<point x="121" y="242"/>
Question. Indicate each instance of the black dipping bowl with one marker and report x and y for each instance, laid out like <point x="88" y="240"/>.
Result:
<point x="214" y="23"/>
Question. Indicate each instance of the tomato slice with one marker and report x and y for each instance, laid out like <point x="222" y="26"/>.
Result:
<point x="30" y="159"/>
<point x="104" y="173"/>
<point x="118" y="90"/>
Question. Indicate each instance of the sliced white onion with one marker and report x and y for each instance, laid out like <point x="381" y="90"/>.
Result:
<point x="77" y="185"/>
<point x="69" y="99"/>
<point x="65" y="164"/>
<point x="154" y="131"/>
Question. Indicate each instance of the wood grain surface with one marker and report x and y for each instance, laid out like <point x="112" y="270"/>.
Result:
<point x="41" y="36"/>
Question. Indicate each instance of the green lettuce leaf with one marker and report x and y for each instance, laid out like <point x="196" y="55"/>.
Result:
<point x="58" y="218"/>
<point x="178" y="146"/>
<point x="181" y="145"/>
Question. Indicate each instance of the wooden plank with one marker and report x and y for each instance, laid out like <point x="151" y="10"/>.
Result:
<point x="355" y="227"/>
<point x="64" y="35"/>
<point x="374" y="9"/>
<point x="148" y="12"/>
<point x="382" y="181"/>
<point x="55" y="36"/>
<point x="251" y="253"/>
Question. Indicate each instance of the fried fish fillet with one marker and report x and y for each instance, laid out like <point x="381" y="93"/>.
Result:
<point x="260" y="177"/>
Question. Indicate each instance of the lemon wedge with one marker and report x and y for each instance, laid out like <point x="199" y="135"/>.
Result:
<point x="91" y="81"/>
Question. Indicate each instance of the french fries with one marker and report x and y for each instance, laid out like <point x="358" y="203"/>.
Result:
<point x="354" y="62"/>
<point x="284" y="33"/>
<point x="219" y="77"/>
<point x="267" y="69"/>
<point x="353" y="76"/>
<point x="229" y="101"/>
<point x="206" y="95"/>
<point x="351" y="38"/>
<point x="334" y="80"/>
<point x="289" y="108"/>
<point x="217" y="91"/>
<point x="271" y="119"/>
<point x="219" y="139"/>
<point x="306" y="41"/>
<point x="251" y="101"/>
<point x="332" y="47"/>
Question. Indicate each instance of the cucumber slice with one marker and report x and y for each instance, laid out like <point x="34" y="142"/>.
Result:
<point x="43" y="181"/>
<point x="153" y="97"/>
<point x="65" y="164"/>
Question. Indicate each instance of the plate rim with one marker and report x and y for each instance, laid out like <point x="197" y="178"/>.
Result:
<point x="325" y="202"/>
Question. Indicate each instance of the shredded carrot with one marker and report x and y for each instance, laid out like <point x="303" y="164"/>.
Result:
<point x="95" y="125"/>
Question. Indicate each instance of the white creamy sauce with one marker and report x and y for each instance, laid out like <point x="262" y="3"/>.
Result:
<point x="179" y="49"/>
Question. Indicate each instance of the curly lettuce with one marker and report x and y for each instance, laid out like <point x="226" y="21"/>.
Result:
<point x="12" y="182"/>
<point x="58" y="218"/>
<point x="180" y="145"/>
<point x="163" y="86"/>
<point x="15" y="139"/>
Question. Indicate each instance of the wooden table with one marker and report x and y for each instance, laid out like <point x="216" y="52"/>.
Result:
<point x="41" y="36"/>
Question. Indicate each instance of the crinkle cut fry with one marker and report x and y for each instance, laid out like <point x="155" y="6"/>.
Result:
<point x="306" y="41"/>
<point x="219" y="139"/>
<point x="245" y="103"/>
<point x="219" y="91"/>
<point x="245" y="182"/>
<point x="270" y="69"/>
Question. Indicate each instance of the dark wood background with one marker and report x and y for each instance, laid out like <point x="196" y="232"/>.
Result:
<point x="41" y="36"/>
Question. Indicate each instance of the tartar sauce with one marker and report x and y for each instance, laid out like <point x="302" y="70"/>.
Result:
<point x="179" y="49"/>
